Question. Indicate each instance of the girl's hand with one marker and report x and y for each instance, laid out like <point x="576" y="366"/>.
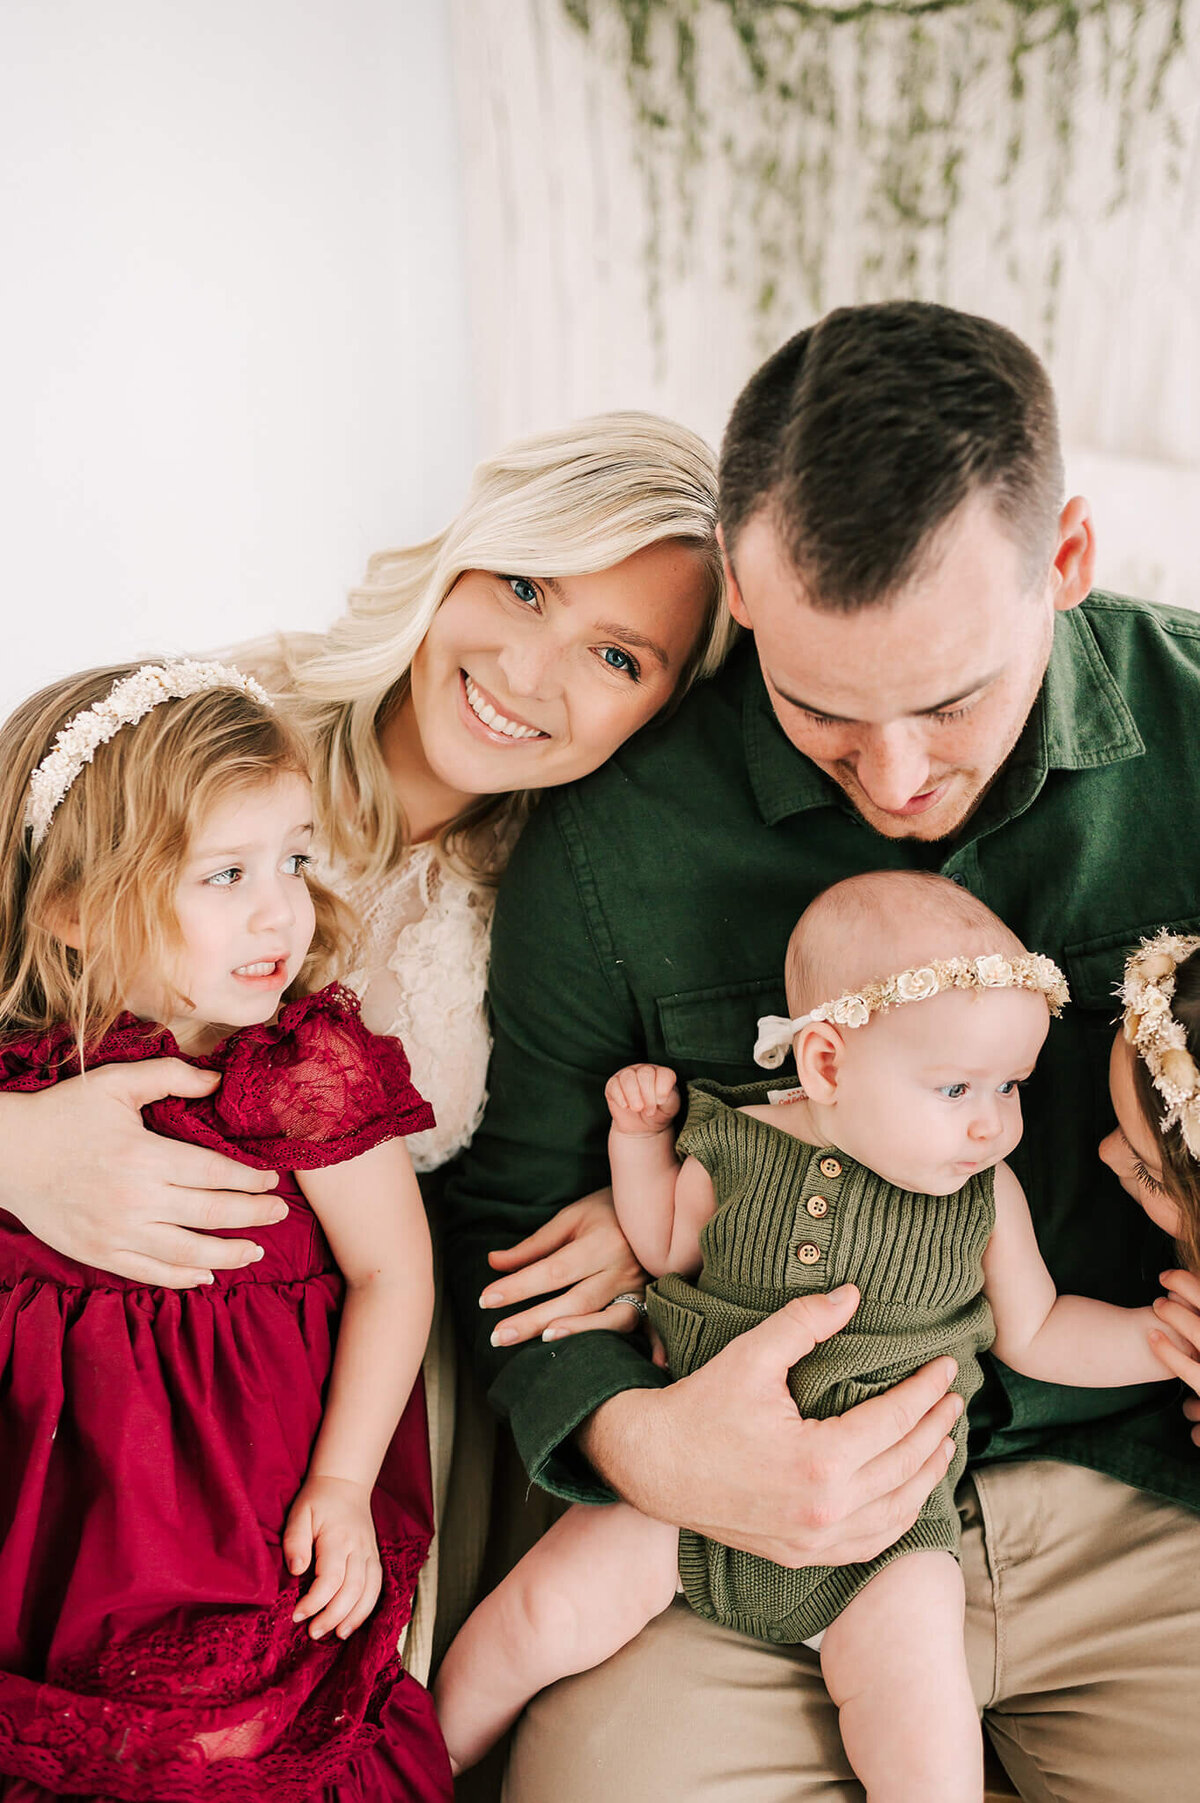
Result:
<point x="642" y="1098"/>
<point x="580" y="1252"/>
<point x="1178" y="1348"/>
<point x="331" y="1518"/>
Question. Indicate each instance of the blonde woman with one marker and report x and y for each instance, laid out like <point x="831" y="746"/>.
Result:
<point x="569" y="604"/>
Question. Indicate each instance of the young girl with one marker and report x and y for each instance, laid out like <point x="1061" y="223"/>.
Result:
<point x="883" y="1169"/>
<point x="210" y="1521"/>
<point x="1154" y="1150"/>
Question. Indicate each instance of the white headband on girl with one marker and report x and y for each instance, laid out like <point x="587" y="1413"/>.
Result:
<point x="127" y="702"/>
<point x="854" y="1009"/>
<point x="1158" y="1038"/>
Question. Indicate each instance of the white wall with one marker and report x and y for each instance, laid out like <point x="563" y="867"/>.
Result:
<point x="233" y="343"/>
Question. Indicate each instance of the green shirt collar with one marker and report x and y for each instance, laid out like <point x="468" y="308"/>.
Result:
<point x="1080" y="721"/>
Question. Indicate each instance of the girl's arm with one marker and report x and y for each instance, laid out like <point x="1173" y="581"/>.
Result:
<point x="374" y="1220"/>
<point x="1058" y="1339"/>
<point x="661" y="1204"/>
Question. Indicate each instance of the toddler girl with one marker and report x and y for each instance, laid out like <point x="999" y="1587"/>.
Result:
<point x="210" y="1521"/>
<point x="883" y="1168"/>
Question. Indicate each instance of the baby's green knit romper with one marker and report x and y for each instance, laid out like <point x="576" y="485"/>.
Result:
<point x="794" y="1219"/>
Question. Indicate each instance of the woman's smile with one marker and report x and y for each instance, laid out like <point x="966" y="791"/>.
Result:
<point x="496" y="722"/>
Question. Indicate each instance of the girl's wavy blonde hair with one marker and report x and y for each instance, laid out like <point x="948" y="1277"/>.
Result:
<point x="109" y="865"/>
<point x="574" y="500"/>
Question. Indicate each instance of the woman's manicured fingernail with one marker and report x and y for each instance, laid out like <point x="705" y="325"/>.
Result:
<point x="504" y="1336"/>
<point x="492" y="1299"/>
<point x="555" y="1333"/>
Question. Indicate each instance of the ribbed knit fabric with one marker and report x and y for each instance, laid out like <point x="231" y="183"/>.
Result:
<point x="791" y="1220"/>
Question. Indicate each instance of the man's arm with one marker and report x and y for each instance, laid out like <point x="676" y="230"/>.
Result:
<point x="563" y="1020"/>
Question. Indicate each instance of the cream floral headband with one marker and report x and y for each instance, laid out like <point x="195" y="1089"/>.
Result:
<point x="127" y="702"/>
<point x="854" y="1009"/>
<point x="1158" y="1038"/>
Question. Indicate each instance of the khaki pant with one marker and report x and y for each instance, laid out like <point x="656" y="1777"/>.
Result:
<point x="1083" y="1638"/>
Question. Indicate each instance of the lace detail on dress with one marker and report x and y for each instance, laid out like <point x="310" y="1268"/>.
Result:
<point x="235" y="1708"/>
<point x="310" y="1089"/>
<point x="421" y="971"/>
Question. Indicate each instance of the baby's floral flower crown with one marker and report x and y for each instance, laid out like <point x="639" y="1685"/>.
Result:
<point x="1158" y="1038"/>
<point x="992" y="971"/>
<point x="127" y="702"/>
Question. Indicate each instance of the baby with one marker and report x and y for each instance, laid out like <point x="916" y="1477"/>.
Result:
<point x="884" y="1169"/>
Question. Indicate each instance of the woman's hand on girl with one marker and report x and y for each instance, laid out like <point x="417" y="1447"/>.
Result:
<point x="81" y="1172"/>
<point x="330" y="1525"/>
<point x="580" y="1254"/>
<point x="1178" y="1346"/>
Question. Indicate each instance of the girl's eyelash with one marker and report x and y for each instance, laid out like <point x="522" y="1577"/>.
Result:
<point x="1151" y="1183"/>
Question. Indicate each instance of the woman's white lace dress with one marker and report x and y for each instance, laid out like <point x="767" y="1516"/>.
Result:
<point x="420" y="974"/>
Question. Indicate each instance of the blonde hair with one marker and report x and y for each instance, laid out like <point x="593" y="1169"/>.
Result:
<point x="109" y="865"/>
<point x="574" y="500"/>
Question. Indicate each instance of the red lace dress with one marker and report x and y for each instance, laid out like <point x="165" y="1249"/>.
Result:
<point x="151" y="1444"/>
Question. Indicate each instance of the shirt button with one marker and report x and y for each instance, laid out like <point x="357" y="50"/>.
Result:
<point x="817" y="1206"/>
<point x="957" y="877"/>
<point x="830" y="1167"/>
<point x="808" y="1254"/>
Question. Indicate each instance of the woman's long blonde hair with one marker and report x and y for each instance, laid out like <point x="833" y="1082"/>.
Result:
<point x="566" y="502"/>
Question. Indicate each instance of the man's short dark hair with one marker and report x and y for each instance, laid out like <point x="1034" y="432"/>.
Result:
<point x="863" y="434"/>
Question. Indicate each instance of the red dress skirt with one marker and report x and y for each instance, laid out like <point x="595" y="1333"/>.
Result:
<point x="152" y="1442"/>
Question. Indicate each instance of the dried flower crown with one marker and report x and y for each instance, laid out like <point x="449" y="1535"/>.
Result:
<point x="127" y="702"/>
<point x="1159" y="1039"/>
<point x="1030" y="970"/>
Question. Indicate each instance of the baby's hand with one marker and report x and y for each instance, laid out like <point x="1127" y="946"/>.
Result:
<point x="642" y="1098"/>
<point x="333" y="1516"/>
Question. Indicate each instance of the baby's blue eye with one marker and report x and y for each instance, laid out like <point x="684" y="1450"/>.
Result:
<point x="953" y="1091"/>
<point x="616" y="659"/>
<point x="1011" y="1087"/>
<point x="523" y="590"/>
<point x="296" y="864"/>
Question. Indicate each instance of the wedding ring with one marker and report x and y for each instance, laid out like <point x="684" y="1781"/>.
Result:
<point x="634" y="1301"/>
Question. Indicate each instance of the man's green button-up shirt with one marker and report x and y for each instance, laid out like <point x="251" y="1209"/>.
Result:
<point x="645" y="915"/>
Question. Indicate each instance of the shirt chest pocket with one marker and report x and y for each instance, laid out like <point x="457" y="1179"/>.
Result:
<point x="1095" y="967"/>
<point x="712" y="1031"/>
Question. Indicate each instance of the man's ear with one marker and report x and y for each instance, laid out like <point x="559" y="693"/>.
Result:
<point x="733" y="594"/>
<point x="819" y="1050"/>
<point x="1075" y="559"/>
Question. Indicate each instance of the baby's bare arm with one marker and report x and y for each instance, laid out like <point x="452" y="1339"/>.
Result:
<point x="1057" y="1339"/>
<point x="661" y="1205"/>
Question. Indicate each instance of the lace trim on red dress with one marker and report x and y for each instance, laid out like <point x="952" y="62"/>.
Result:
<point x="225" y="1712"/>
<point x="310" y="1089"/>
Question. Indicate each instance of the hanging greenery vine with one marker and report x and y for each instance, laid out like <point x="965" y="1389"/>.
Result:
<point x="844" y="140"/>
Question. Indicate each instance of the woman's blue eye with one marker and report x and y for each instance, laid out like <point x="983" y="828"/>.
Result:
<point x="953" y="1091"/>
<point x="224" y="879"/>
<point x="616" y="659"/>
<point x="523" y="590"/>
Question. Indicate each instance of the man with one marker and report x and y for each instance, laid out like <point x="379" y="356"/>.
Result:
<point x="928" y="685"/>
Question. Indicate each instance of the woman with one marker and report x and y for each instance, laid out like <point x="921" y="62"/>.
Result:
<point x="569" y="604"/>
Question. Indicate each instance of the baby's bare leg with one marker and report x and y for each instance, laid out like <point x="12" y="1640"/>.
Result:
<point x="895" y="1666"/>
<point x="587" y="1588"/>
